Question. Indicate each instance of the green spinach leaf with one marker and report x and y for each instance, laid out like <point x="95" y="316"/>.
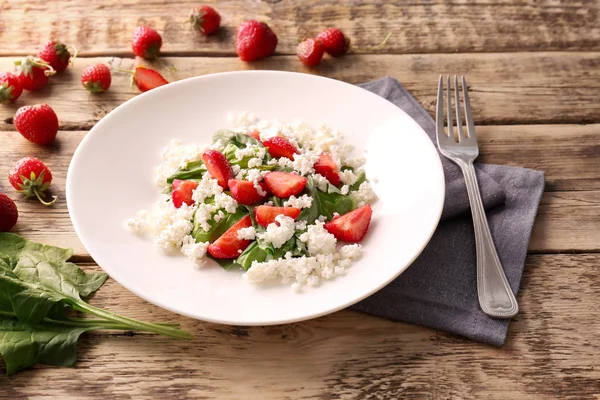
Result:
<point x="217" y="228"/>
<point x="192" y="171"/>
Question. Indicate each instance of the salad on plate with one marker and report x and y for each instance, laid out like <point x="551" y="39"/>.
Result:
<point x="279" y="201"/>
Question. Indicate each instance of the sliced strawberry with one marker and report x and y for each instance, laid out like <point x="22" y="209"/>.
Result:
<point x="147" y="79"/>
<point x="182" y="192"/>
<point x="244" y="192"/>
<point x="265" y="215"/>
<point x="255" y="134"/>
<point x="352" y="226"/>
<point x="280" y="147"/>
<point x="228" y="245"/>
<point x="218" y="167"/>
<point x="283" y="184"/>
<point x="327" y="167"/>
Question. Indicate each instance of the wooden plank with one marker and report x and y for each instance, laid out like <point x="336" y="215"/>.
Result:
<point x="104" y="27"/>
<point x="567" y="220"/>
<point x="346" y="355"/>
<point x="507" y="88"/>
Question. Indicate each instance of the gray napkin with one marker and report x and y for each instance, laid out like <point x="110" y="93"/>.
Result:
<point x="439" y="289"/>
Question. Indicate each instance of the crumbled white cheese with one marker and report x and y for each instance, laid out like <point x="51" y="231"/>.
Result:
<point x="318" y="240"/>
<point x="243" y="119"/>
<point x="139" y="225"/>
<point x="345" y="189"/>
<point x="247" y="233"/>
<point x="255" y="162"/>
<point x="207" y="187"/>
<point x="348" y="177"/>
<point x="303" y="163"/>
<point x="304" y="201"/>
<point x="245" y="152"/>
<point x="174" y="156"/>
<point x="219" y="216"/>
<point x="300" y="225"/>
<point x="321" y="182"/>
<point x="225" y="201"/>
<point x="195" y="252"/>
<point x="235" y="169"/>
<point x="279" y="234"/>
<point x="364" y="195"/>
<point x="170" y="225"/>
<point x="354" y="163"/>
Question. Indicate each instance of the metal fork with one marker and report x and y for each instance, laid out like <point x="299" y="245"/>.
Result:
<point x="495" y="295"/>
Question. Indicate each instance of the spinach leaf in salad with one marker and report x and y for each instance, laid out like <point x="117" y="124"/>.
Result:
<point x="325" y="203"/>
<point x="362" y="177"/>
<point x="240" y="140"/>
<point x="192" y="170"/>
<point x="38" y="290"/>
<point x="217" y="228"/>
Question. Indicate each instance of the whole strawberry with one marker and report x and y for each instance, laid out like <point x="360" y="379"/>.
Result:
<point x="146" y="42"/>
<point x="8" y="213"/>
<point x="205" y="19"/>
<point x="310" y="52"/>
<point x="32" y="178"/>
<point x="10" y="88"/>
<point x="334" y="42"/>
<point x="38" y="123"/>
<point x="33" y="73"/>
<point x="96" y="78"/>
<point x="255" y="40"/>
<point x="56" y="54"/>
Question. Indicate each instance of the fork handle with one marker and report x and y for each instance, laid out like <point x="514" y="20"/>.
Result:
<point x="495" y="295"/>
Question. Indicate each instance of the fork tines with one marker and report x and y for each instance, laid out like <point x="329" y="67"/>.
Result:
<point x="449" y="137"/>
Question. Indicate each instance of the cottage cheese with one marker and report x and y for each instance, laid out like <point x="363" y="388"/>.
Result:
<point x="279" y="234"/>
<point x="304" y="201"/>
<point x="364" y="195"/>
<point x="247" y="233"/>
<point x="318" y="240"/>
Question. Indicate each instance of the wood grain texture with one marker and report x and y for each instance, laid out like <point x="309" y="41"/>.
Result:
<point x="505" y="88"/>
<point x="345" y="355"/>
<point x="104" y="27"/>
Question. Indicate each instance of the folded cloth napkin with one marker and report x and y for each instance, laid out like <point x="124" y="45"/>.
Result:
<point x="439" y="289"/>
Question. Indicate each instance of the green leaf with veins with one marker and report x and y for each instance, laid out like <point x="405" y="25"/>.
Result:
<point x="240" y="140"/>
<point x="362" y="177"/>
<point x="217" y="228"/>
<point x="325" y="204"/>
<point x="192" y="171"/>
<point x="252" y="253"/>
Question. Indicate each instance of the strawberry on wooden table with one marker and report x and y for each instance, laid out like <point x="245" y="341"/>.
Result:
<point x="228" y="245"/>
<point x="244" y="192"/>
<point x="284" y="184"/>
<point x="254" y="40"/>
<point x="280" y="147"/>
<point x="10" y="88"/>
<point x="56" y="54"/>
<point x="328" y="168"/>
<point x="182" y="192"/>
<point x="352" y="226"/>
<point x="334" y="42"/>
<point x="37" y="123"/>
<point x="146" y="42"/>
<point x="205" y="19"/>
<point x="147" y="79"/>
<point x="96" y="78"/>
<point x="218" y="167"/>
<point x="32" y="178"/>
<point x="266" y="215"/>
<point x="310" y="52"/>
<point x="8" y="213"/>
<point x="33" y="73"/>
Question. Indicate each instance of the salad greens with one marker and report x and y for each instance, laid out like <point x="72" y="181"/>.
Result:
<point x="39" y="290"/>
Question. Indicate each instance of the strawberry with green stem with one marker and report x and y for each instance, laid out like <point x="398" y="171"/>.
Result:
<point x="96" y="78"/>
<point x="10" y="88"/>
<point x="32" y="178"/>
<point x="145" y="78"/>
<point x="33" y="73"/>
<point x="57" y="54"/>
<point x="205" y="19"/>
<point x="146" y="42"/>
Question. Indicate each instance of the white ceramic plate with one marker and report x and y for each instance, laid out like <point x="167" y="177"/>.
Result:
<point x="111" y="178"/>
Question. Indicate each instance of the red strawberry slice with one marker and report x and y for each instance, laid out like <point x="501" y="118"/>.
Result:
<point x="352" y="226"/>
<point x="147" y="79"/>
<point x="255" y="134"/>
<point x="327" y="167"/>
<point x="283" y="184"/>
<point x="182" y="192"/>
<point x="218" y="167"/>
<point x="244" y="192"/>
<point x="228" y="245"/>
<point x="280" y="147"/>
<point x="265" y="215"/>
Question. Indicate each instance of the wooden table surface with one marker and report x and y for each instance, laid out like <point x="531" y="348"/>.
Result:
<point x="534" y="72"/>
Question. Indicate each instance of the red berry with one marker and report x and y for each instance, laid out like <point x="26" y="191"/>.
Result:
<point x="283" y="184"/>
<point x="205" y="19"/>
<point x="254" y="40"/>
<point x="255" y="134"/>
<point x="266" y="215"/>
<point x="228" y="245"/>
<point x="33" y="73"/>
<point x="31" y="177"/>
<point x="146" y="79"/>
<point x="310" y="52"/>
<point x="218" y="167"/>
<point x="96" y="78"/>
<point x="38" y="123"/>
<point x="244" y="192"/>
<point x="352" y="226"/>
<point x="146" y="42"/>
<point x="280" y="147"/>
<point x="10" y="88"/>
<point x="182" y="192"/>
<point x="334" y="42"/>
<point x="328" y="168"/>
<point x="8" y="213"/>
<point x="56" y="54"/>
